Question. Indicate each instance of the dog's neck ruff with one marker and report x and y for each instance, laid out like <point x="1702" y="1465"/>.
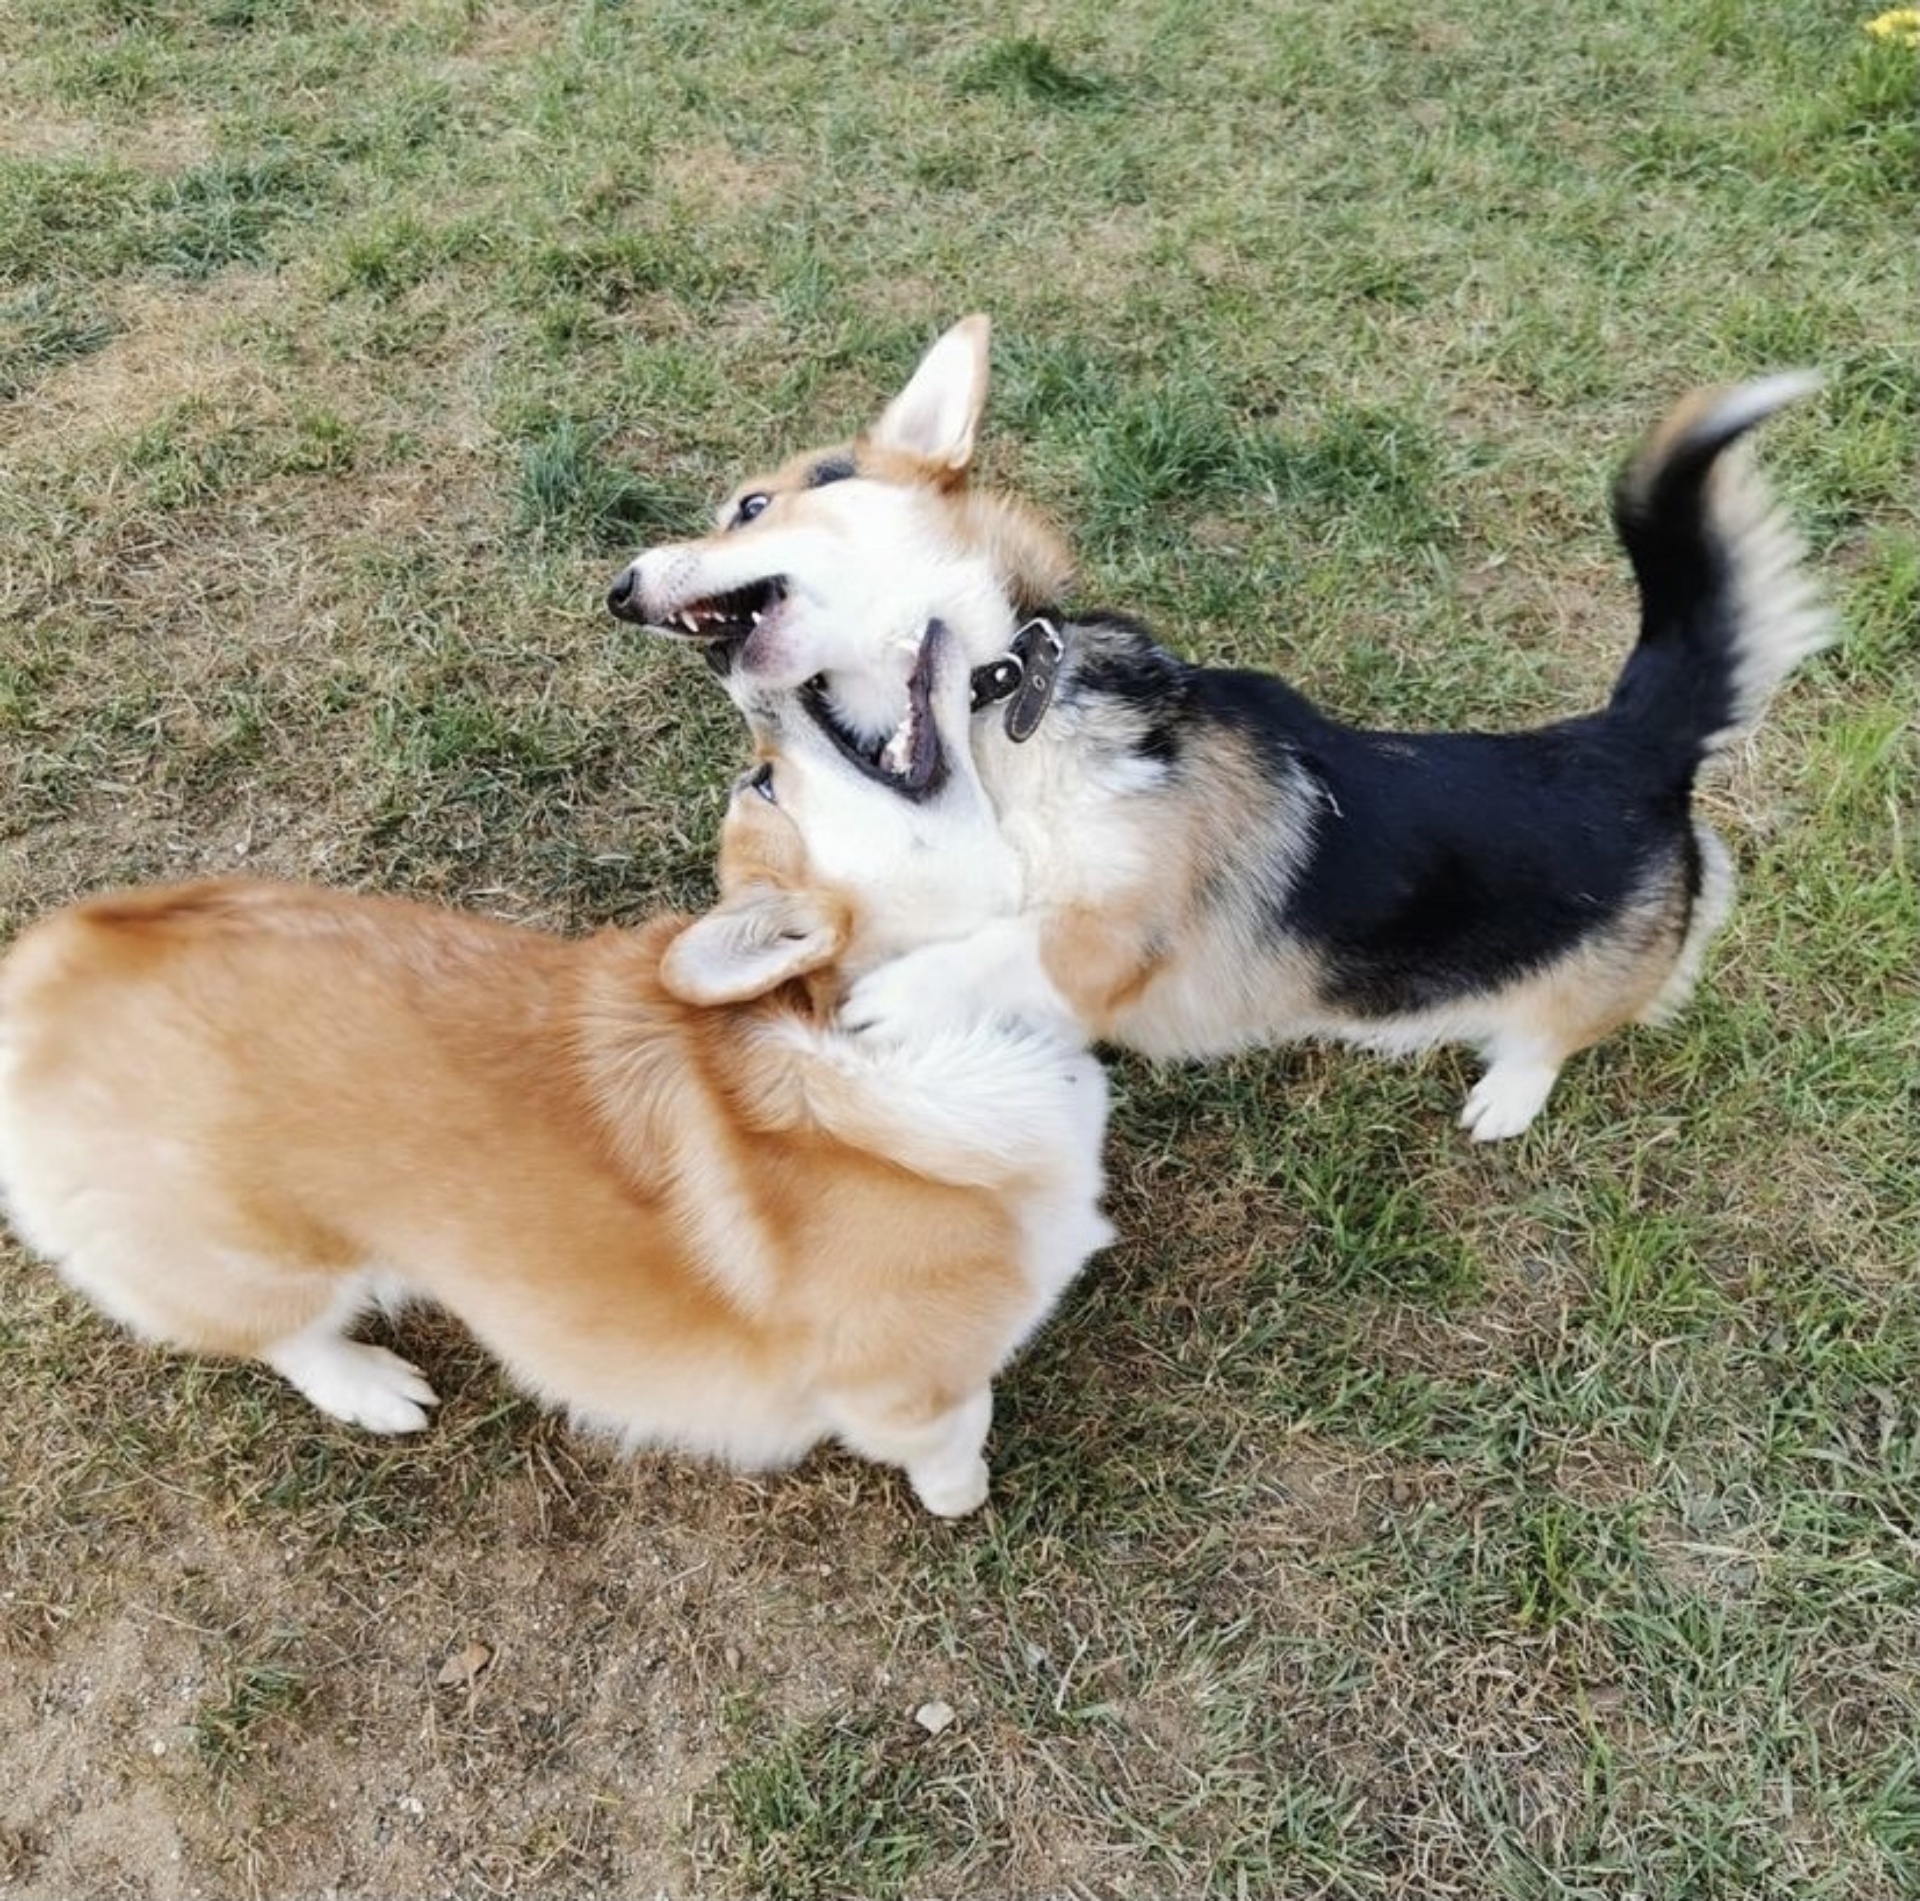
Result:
<point x="1023" y="676"/>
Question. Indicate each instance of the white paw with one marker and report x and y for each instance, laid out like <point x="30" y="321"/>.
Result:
<point x="1506" y="1099"/>
<point x="951" y="1496"/>
<point x="900" y="998"/>
<point x="364" y="1385"/>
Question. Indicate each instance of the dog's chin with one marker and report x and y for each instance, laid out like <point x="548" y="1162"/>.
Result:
<point x="790" y="646"/>
<point x="907" y="754"/>
<point x="751" y="662"/>
<point x="869" y="707"/>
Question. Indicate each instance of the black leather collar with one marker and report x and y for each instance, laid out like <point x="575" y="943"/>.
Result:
<point x="1023" y="676"/>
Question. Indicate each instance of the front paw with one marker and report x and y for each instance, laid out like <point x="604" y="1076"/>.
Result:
<point x="1506" y="1099"/>
<point x="899" y="998"/>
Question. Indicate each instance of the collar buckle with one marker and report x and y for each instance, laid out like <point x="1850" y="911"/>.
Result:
<point x="1024" y="676"/>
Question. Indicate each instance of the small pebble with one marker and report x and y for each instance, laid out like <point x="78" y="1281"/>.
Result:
<point x="464" y="1665"/>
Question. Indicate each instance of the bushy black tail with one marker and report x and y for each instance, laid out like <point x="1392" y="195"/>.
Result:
<point x="1726" y="609"/>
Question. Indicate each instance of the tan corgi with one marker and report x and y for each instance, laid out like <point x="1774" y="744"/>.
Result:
<point x="646" y="1168"/>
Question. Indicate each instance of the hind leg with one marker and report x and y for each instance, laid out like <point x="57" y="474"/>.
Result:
<point x="185" y="1290"/>
<point x="1520" y="1076"/>
<point x="939" y="1447"/>
<point x="140" y="1220"/>
<point x="1638" y="970"/>
<point x="1608" y="983"/>
<point x="1710" y="908"/>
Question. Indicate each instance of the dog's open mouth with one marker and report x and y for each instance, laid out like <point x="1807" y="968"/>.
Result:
<point x="730" y="616"/>
<point x="910" y="760"/>
<point x="725" y="619"/>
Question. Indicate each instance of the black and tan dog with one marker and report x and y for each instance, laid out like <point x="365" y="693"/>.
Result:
<point x="1209" y="862"/>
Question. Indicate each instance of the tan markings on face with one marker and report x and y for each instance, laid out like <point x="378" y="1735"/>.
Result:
<point x="1029" y="557"/>
<point x="760" y="844"/>
<point x="1025" y="551"/>
<point x="899" y="469"/>
<point x="793" y="477"/>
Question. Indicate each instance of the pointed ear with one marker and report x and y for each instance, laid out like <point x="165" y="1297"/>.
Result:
<point x="749" y="944"/>
<point x="935" y="416"/>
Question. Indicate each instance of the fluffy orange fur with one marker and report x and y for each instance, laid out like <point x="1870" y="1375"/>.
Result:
<point x="223" y="1104"/>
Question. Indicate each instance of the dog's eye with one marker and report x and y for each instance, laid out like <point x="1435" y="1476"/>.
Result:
<point x="750" y="508"/>
<point x="760" y="780"/>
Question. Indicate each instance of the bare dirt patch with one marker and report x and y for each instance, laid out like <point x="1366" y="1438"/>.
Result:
<point x="246" y="1696"/>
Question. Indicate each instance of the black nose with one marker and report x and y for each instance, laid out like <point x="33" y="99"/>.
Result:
<point x="620" y="597"/>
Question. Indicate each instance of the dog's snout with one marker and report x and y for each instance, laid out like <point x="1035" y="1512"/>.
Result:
<point x="620" y="599"/>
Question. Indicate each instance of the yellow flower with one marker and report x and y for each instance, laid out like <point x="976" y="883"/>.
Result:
<point x="1901" y="25"/>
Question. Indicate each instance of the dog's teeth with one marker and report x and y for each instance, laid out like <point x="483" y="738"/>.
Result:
<point x="688" y="622"/>
<point x="897" y="754"/>
<point x="755" y="617"/>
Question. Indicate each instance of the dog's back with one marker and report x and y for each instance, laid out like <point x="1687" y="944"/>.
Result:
<point x="1527" y="892"/>
<point x="224" y="1102"/>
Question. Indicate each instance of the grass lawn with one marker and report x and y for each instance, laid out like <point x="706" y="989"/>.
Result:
<point x="1383" y="1517"/>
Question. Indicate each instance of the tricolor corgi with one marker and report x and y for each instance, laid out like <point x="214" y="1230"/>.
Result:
<point x="1209" y="862"/>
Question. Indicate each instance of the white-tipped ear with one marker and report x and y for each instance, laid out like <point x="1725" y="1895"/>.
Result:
<point x="747" y="945"/>
<point x="936" y="415"/>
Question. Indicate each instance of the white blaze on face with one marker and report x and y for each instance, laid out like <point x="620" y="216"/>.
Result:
<point x="864" y="566"/>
